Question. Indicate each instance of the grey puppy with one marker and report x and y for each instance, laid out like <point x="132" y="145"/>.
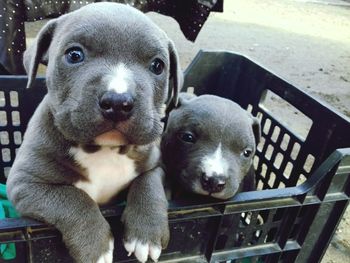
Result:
<point x="208" y="146"/>
<point x="96" y="131"/>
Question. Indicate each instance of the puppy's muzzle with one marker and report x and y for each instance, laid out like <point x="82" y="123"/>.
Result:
<point x="116" y="106"/>
<point x="214" y="183"/>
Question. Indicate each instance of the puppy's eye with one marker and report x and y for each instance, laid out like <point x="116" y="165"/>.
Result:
<point x="157" y="66"/>
<point x="74" y="55"/>
<point x="247" y="152"/>
<point x="187" y="137"/>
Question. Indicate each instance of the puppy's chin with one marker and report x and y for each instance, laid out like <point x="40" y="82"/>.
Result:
<point x="223" y="195"/>
<point x="111" y="138"/>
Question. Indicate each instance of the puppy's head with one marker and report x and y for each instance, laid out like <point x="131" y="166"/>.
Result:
<point x="209" y="144"/>
<point x="108" y="72"/>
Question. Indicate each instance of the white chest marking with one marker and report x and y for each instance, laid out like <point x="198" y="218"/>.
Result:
<point x="119" y="81"/>
<point x="215" y="163"/>
<point x="107" y="172"/>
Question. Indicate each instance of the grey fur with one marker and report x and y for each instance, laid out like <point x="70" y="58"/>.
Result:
<point x="40" y="183"/>
<point x="213" y="121"/>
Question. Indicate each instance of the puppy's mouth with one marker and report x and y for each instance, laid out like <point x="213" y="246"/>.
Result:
<point x="222" y="195"/>
<point x="112" y="138"/>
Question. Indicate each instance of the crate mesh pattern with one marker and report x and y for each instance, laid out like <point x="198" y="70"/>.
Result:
<point x="10" y="130"/>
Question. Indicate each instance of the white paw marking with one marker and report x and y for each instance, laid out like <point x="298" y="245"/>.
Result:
<point x="130" y="247"/>
<point x="154" y="252"/>
<point x="143" y="250"/>
<point x="107" y="257"/>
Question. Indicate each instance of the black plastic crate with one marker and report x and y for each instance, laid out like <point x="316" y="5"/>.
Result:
<point x="303" y="175"/>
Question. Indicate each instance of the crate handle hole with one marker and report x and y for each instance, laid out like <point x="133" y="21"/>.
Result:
<point x="281" y="110"/>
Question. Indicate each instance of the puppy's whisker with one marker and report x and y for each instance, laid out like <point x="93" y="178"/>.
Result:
<point x="71" y="103"/>
<point x="158" y="88"/>
<point x="72" y="98"/>
<point x="156" y="121"/>
<point x="108" y="66"/>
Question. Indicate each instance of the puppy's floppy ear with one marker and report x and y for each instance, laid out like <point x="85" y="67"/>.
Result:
<point x="36" y="53"/>
<point x="176" y="76"/>
<point x="184" y="98"/>
<point x="256" y="129"/>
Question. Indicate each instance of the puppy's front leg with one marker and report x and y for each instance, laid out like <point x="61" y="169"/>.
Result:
<point x="84" y="230"/>
<point x="145" y="217"/>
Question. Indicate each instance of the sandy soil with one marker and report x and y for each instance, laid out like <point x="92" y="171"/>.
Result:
<point x="305" y="42"/>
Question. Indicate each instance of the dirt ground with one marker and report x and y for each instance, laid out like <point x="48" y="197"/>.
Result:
<point x="305" y="42"/>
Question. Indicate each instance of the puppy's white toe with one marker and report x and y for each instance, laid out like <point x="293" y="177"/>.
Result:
<point x="107" y="257"/>
<point x="154" y="252"/>
<point x="130" y="246"/>
<point x="141" y="251"/>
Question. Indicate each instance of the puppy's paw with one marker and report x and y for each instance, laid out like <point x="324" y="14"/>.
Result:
<point x="95" y="245"/>
<point x="107" y="257"/>
<point x="143" y="250"/>
<point x="145" y="236"/>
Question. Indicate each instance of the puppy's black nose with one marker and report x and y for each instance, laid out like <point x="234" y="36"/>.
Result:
<point x="214" y="183"/>
<point x="116" y="106"/>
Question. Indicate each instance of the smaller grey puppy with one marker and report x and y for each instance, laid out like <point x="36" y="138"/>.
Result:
<point x="208" y="146"/>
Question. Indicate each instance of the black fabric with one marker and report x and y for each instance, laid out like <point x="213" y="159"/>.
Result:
<point x="12" y="36"/>
<point x="190" y="14"/>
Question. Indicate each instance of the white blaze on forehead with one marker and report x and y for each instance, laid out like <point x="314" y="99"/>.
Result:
<point x="119" y="79"/>
<point x="215" y="163"/>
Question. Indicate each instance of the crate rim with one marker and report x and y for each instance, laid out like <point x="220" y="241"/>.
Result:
<point x="245" y="197"/>
<point x="261" y="65"/>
